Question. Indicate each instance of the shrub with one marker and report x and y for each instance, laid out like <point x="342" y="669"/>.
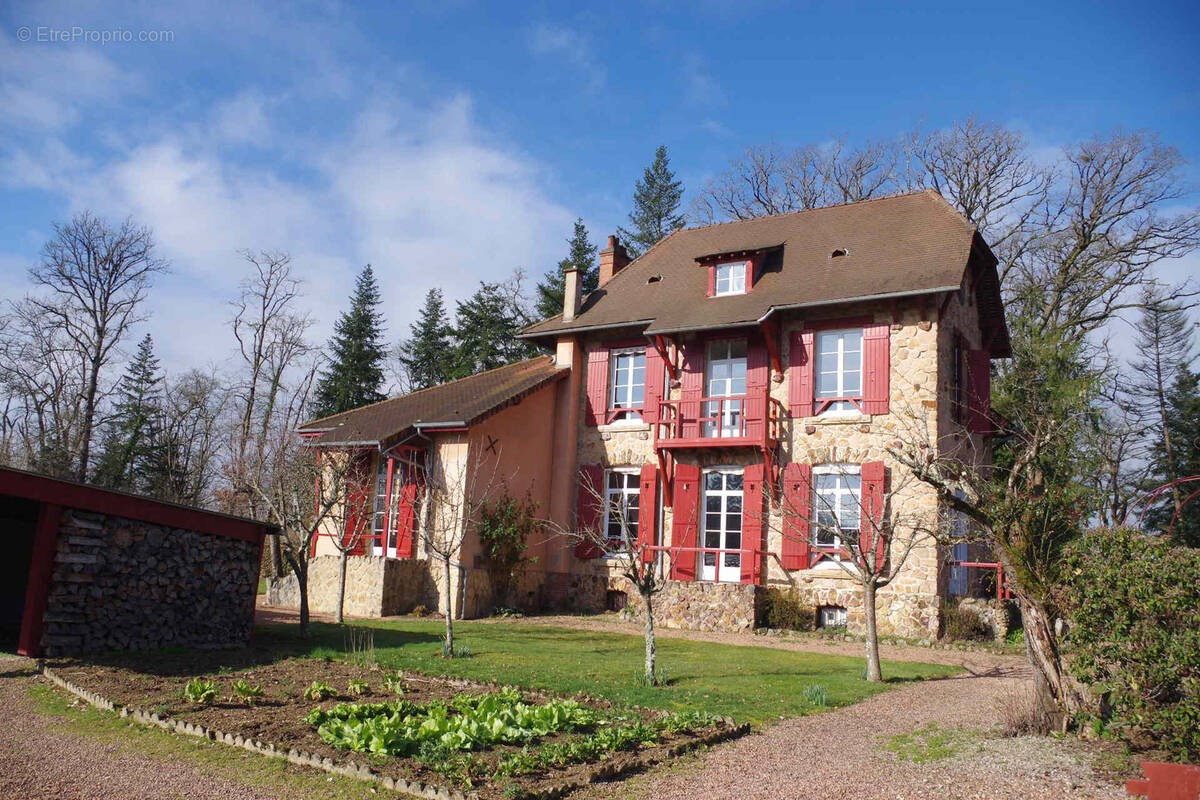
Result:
<point x="1134" y="608"/>
<point x="963" y="624"/>
<point x="318" y="691"/>
<point x="782" y="609"/>
<point x="201" y="691"/>
<point x="505" y="527"/>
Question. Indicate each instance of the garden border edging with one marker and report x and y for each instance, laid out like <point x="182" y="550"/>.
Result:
<point x="351" y="769"/>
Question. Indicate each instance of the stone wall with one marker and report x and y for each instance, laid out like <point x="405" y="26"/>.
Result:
<point x="699" y="605"/>
<point x="375" y="586"/>
<point x="121" y="584"/>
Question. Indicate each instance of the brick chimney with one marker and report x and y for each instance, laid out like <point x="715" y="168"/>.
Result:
<point x="572" y="292"/>
<point x="613" y="259"/>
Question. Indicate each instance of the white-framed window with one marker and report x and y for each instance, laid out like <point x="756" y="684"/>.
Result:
<point x="725" y="376"/>
<point x="627" y="382"/>
<point x="837" y="498"/>
<point x="730" y="278"/>
<point x="723" y="488"/>
<point x="380" y="509"/>
<point x="839" y="370"/>
<point x="621" y="499"/>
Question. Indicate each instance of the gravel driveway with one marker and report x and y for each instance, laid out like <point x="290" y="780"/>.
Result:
<point x="38" y="761"/>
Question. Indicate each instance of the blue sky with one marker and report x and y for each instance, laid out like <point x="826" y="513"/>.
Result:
<point x="445" y="142"/>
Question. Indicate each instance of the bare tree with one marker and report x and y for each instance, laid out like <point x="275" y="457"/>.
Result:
<point x="189" y="440"/>
<point x="457" y="493"/>
<point x="633" y="557"/>
<point x="305" y="494"/>
<point x="351" y="520"/>
<point x="274" y="353"/>
<point x="96" y="278"/>
<point x="869" y="539"/>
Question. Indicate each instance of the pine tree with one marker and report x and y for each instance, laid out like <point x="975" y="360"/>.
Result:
<point x="581" y="253"/>
<point x="1164" y="342"/>
<point x="656" y="199"/>
<point x="1183" y="427"/>
<point x="486" y="327"/>
<point x="427" y="355"/>
<point x="355" y="372"/>
<point x="127" y="447"/>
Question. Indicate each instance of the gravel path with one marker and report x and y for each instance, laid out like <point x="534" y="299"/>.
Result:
<point x="38" y="760"/>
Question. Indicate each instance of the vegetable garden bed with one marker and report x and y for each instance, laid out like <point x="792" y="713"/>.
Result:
<point x="487" y="740"/>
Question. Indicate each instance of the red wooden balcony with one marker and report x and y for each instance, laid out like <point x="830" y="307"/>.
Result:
<point x="746" y="421"/>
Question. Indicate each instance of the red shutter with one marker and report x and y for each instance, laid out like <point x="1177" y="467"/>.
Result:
<point x="590" y="516"/>
<point x="648" y="511"/>
<point x="358" y="512"/>
<point x="800" y="373"/>
<point x="752" y="522"/>
<point x="692" y="388"/>
<point x="979" y="368"/>
<point x="757" y="378"/>
<point x="684" y="531"/>
<point x="597" y="386"/>
<point x="877" y="367"/>
<point x="712" y="279"/>
<point x="406" y="515"/>
<point x="749" y="277"/>
<point x="874" y="475"/>
<point x="797" y="511"/>
<point x="655" y="369"/>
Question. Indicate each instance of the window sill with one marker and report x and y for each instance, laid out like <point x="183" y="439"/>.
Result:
<point x="623" y="427"/>
<point x="857" y="418"/>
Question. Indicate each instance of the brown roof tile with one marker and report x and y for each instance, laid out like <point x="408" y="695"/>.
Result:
<point x="913" y="243"/>
<point x="465" y="401"/>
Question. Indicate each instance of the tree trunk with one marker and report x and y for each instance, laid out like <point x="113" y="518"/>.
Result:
<point x="874" y="673"/>
<point x="1057" y="693"/>
<point x="302" y="585"/>
<point x="89" y="417"/>
<point x="651" y="647"/>
<point x="342" y="589"/>
<point x="276" y="558"/>
<point x="448" y="645"/>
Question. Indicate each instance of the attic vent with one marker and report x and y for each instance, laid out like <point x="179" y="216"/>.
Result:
<point x="654" y="279"/>
<point x="841" y="251"/>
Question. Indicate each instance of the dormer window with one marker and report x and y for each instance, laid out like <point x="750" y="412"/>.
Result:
<point x="730" y="278"/>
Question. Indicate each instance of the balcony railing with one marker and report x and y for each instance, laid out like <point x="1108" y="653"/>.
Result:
<point x="719" y="421"/>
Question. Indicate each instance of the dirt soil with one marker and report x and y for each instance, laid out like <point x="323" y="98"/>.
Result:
<point x="155" y="684"/>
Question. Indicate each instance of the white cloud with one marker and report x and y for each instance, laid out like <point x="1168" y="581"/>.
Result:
<point x="572" y="47"/>
<point x="45" y="87"/>
<point x="242" y="119"/>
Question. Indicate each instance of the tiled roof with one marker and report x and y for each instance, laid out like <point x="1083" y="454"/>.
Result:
<point x="464" y="401"/>
<point x="906" y="244"/>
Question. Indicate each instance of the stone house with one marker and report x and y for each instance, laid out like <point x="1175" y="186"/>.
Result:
<point x="730" y="377"/>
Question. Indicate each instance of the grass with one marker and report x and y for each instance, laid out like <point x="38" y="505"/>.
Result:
<point x="750" y="684"/>
<point x="209" y="759"/>
<point x="262" y="585"/>
<point x="929" y="743"/>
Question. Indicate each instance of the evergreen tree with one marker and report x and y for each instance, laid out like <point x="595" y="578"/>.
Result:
<point x="127" y="447"/>
<point x="486" y="327"/>
<point x="581" y="253"/>
<point x="656" y="199"/>
<point x="355" y="372"/>
<point x="427" y="355"/>
<point x="1164" y="345"/>
<point x="1183" y="427"/>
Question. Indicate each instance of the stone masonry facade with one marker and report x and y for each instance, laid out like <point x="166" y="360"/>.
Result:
<point x="919" y="350"/>
<point x="121" y="584"/>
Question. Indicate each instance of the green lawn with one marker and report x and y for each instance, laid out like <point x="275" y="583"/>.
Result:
<point x="751" y="684"/>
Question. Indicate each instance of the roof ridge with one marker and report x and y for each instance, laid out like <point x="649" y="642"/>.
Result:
<point x="799" y="211"/>
<point x="525" y="362"/>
